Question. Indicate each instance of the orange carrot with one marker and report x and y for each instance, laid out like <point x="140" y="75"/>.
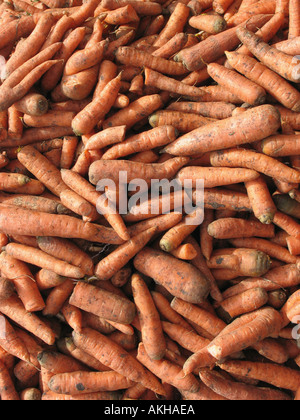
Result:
<point x="32" y="104"/>
<point x="7" y="387"/>
<point x="116" y="260"/>
<point x="106" y="138"/>
<point x="10" y="341"/>
<point x="46" y="279"/>
<point x="210" y="23"/>
<point x="57" y="298"/>
<point x="151" y="327"/>
<point x="187" y="281"/>
<point x="217" y="110"/>
<point x="23" y="280"/>
<point x="239" y="228"/>
<point x="84" y="59"/>
<point x="183" y="122"/>
<point x="112" y="355"/>
<point x="294" y="20"/>
<point x="260" y="198"/>
<point x="205" y="139"/>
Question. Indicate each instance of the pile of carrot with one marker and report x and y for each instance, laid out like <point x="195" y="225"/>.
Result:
<point x="102" y="303"/>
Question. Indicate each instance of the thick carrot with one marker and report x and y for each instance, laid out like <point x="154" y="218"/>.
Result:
<point x="32" y="104"/>
<point x="217" y="110"/>
<point x="56" y="362"/>
<point x="251" y="159"/>
<point x="261" y="200"/>
<point x="236" y="131"/>
<point x="32" y="202"/>
<point x="112" y="355"/>
<point x="104" y="169"/>
<point x="235" y="390"/>
<point x="68" y="251"/>
<point x="239" y="228"/>
<point x="117" y="259"/>
<point x="22" y="278"/>
<point x="42" y="259"/>
<point x="83" y="59"/>
<point x="271" y="373"/>
<point x="251" y="93"/>
<point x="46" y="279"/>
<point x="14" y="309"/>
<point x="104" y="303"/>
<point x="213" y="24"/>
<point x="106" y="138"/>
<point x="237" y="336"/>
<point x="85" y="121"/>
<point x="151" y="327"/>
<point x="213" y="48"/>
<point x="187" y="281"/>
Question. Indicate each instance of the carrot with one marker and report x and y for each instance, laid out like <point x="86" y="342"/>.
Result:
<point x="185" y="252"/>
<point x="183" y="122"/>
<point x="78" y="205"/>
<point x="168" y="372"/>
<point x="82" y="382"/>
<point x="286" y="204"/>
<point x="68" y="152"/>
<point x="151" y="327"/>
<point x="258" y="8"/>
<point x="134" y="112"/>
<point x="187" y="281"/>
<point x="289" y="46"/>
<point x="211" y="49"/>
<point x="10" y="341"/>
<point x="7" y="387"/>
<point x="106" y="138"/>
<point x="59" y="29"/>
<point x="174" y="237"/>
<point x="32" y="44"/>
<point x="32" y="104"/>
<point x="218" y="198"/>
<point x="84" y="59"/>
<point x="43" y="170"/>
<point x="239" y="228"/>
<point x="251" y="93"/>
<point x="6" y="288"/>
<point x="57" y="298"/>
<point x="117" y="259"/>
<point x="46" y="279"/>
<point x="103" y="169"/>
<point x="43" y="260"/>
<point x="265" y="54"/>
<point x="235" y="390"/>
<point x="83" y="188"/>
<point x="246" y="262"/>
<point x="172" y="46"/>
<point x="19" y="273"/>
<point x="30" y="394"/>
<point x="213" y="24"/>
<point x="10" y="95"/>
<point x="281" y="145"/>
<point x="272" y="82"/>
<point x="112" y="355"/>
<point x="220" y="6"/>
<point x="272" y="249"/>
<point x="236" y="337"/>
<point x="68" y="46"/>
<point x="32" y="202"/>
<point x="254" y="160"/>
<point x="294" y="23"/>
<point x="57" y="363"/>
<point x="206" y="138"/>
<point x="287" y="223"/>
<point x="85" y="120"/>
<point x="217" y="110"/>
<point x="13" y="308"/>
<point x="262" y="203"/>
<point x="104" y="304"/>
<point x="243" y="303"/>
<point x="68" y="251"/>
<point x="12" y="181"/>
<point x="271" y="373"/>
<point x="138" y="58"/>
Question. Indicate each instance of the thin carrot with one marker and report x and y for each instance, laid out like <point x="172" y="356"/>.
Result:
<point x="10" y="341"/>
<point x="217" y="110"/>
<point x="182" y="121"/>
<point x="110" y="353"/>
<point x="7" y="387"/>
<point x="151" y="327"/>
<point x="260" y="7"/>
<point x="271" y="373"/>
<point x="207" y="138"/>
<point x="294" y="20"/>
<point x="57" y="298"/>
<point x="116" y="260"/>
<point x="251" y="159"/>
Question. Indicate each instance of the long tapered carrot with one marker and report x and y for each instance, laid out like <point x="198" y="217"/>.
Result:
<point x="254" y="160"/>
<point x="151" y="328"/>
<point x="235" y="390"/>
<point x="116" y="260"/>
<point x="237" y="130"/>
<point x="45" y="224"/>
<point x="279" y="376"/>
<point x="22" y="278"/>
<point x="43" y="260"/>
<point x="112" y="355"/>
